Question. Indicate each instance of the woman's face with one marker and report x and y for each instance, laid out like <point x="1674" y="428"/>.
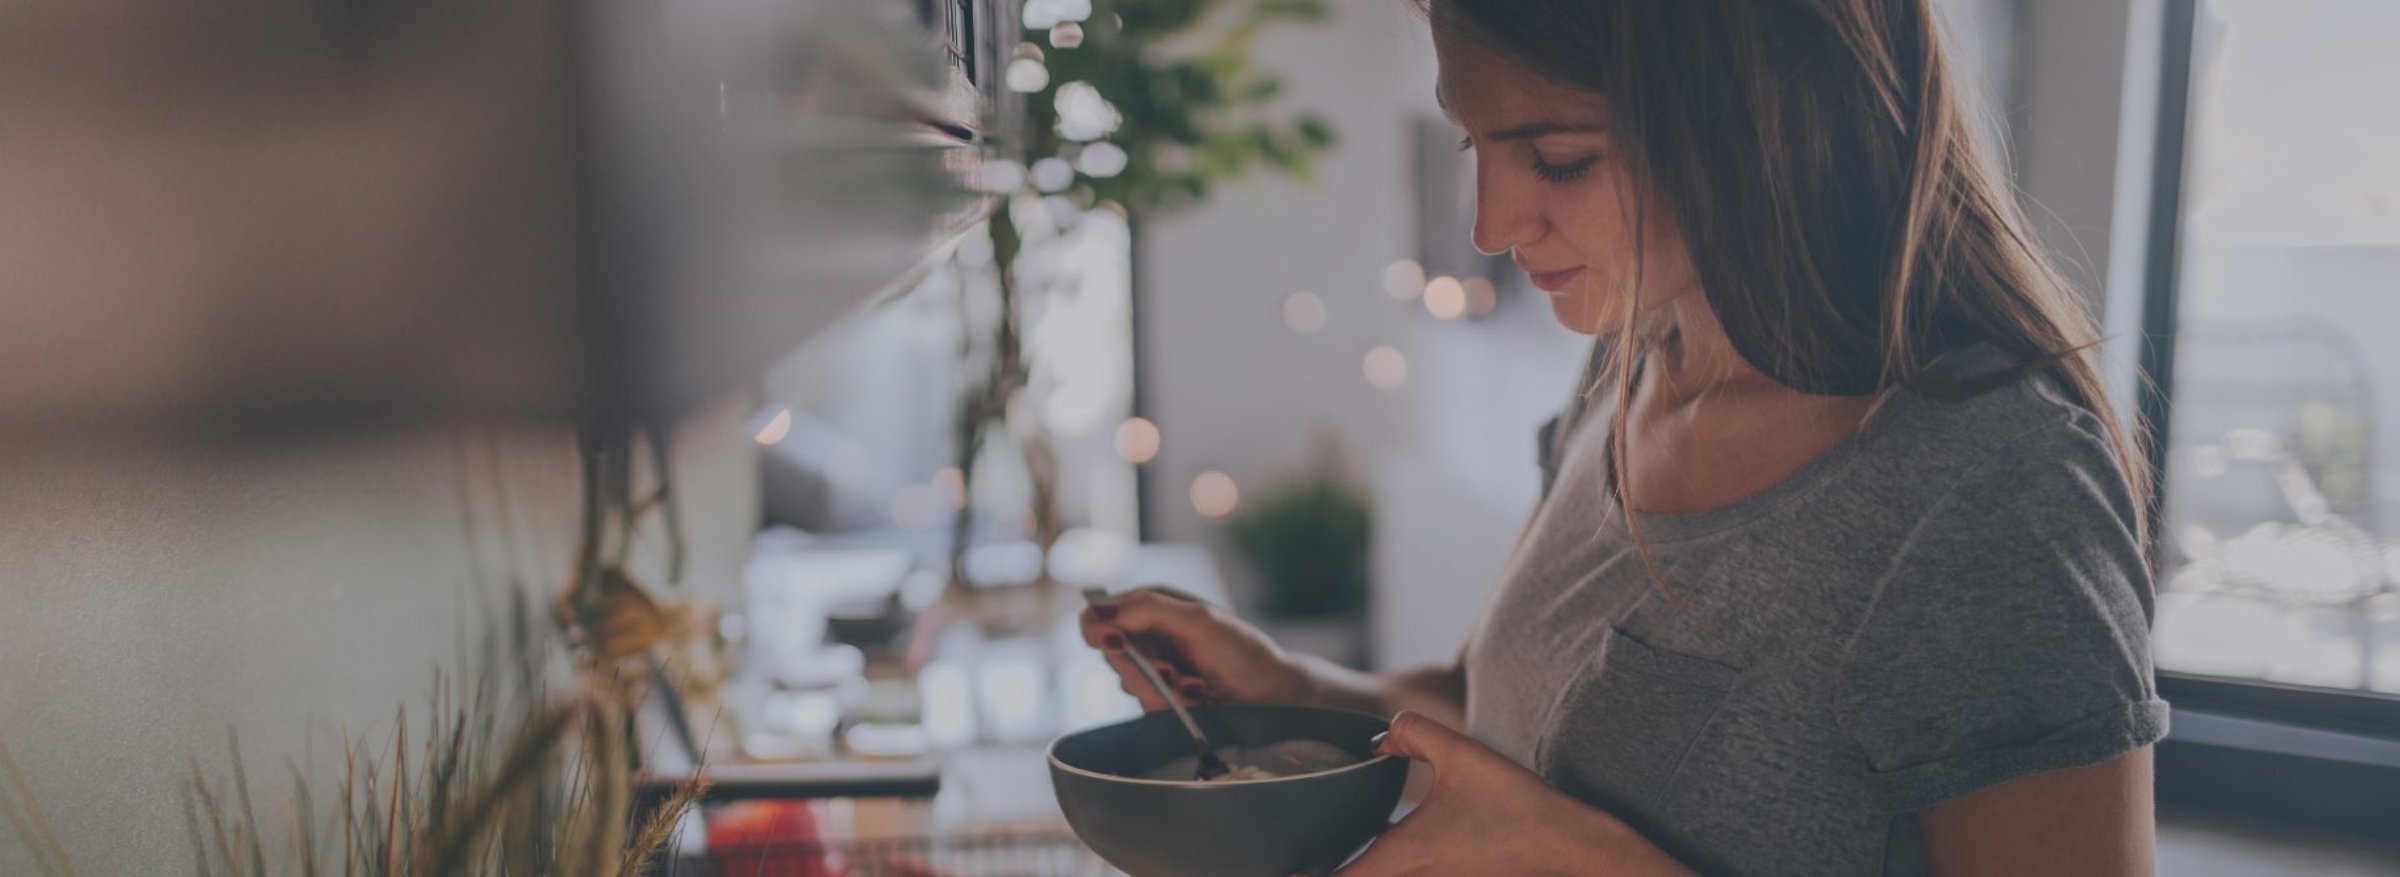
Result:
<point x="1553" y="190"/>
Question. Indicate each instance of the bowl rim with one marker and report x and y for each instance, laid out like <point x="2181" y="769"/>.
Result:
<point x="1051" y="752"/>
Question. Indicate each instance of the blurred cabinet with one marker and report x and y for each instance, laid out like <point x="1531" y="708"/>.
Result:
<point x="249" y="212"/>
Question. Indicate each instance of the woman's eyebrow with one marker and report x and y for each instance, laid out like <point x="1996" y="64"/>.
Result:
<point x="1527" y="131"/>
<point x="1542" y="128"/>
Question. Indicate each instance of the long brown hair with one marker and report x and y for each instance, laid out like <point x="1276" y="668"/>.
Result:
<point x="1820" y="159"/>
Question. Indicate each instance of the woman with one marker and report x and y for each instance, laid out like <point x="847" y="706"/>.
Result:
<point x="1871" y="596"/>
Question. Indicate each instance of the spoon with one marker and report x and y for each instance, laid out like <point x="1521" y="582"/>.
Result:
<point x="1211" y="767"/>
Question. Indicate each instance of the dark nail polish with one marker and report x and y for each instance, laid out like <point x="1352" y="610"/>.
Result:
<point x="1114" y="643"/>
<point x="1104" y="613"/>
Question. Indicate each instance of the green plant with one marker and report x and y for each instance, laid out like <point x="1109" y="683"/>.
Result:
<point x="1193" y="107"/>
<point x="1169" y="102"/>
<point x="1307" y="539"/>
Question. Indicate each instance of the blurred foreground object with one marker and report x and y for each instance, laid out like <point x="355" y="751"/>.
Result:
<point x="242" y="213"/>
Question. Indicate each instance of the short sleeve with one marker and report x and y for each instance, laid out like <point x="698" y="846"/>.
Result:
<point x="2010" y="636"/>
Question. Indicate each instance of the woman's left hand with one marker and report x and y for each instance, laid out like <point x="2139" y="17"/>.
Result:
<point x="1486" y="815"/>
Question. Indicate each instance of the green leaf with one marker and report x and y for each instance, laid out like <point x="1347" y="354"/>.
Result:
<point x="1218" y="105"/>
<point x="1297" y="10"/>
<point x="1315" y="132"/>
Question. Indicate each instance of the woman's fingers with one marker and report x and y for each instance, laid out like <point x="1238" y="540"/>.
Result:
<point x="1161" y="622"/>
<point x="1414" y="736"/>
<point x="1155" y="611"/>
<point x="1130" y="679"/>
<point x="1161" y="610"/>
<point x="1096" y="631"/>
<point x="1191" y="690"/>
<point x="1108" y="637"/>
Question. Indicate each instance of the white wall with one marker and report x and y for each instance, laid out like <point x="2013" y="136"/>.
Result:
<point x="1984" y="46"/>
<point x="1451" y="454"/>
<point x="159" y="592"/>
<point x="2072" y="115"/>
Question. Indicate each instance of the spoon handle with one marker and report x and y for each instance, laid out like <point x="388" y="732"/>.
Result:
<point x="1208" y="751"/>
<point x="1142" y="662"/>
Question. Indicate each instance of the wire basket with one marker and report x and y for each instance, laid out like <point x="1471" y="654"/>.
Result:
<point x="1020" y="854"/>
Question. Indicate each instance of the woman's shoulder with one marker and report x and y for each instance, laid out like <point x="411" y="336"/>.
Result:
<point x="2029" y="423"/>
<point x="2026" y="449"/>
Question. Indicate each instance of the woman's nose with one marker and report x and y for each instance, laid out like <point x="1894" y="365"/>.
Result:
<point x="1506" y="217"/>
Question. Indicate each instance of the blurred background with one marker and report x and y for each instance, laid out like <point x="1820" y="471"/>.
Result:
<point x="320" y="319"/>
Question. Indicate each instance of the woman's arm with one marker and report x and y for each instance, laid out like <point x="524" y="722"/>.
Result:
<point x="2094" y="820"/>
<point x="1212" y="656"/>
<point x="1438" y="691"/>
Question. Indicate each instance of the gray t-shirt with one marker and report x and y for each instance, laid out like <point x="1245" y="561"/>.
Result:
<point x="1951" y="599"/>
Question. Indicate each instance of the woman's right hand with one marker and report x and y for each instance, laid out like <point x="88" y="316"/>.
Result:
<point x="1205" y="653"/>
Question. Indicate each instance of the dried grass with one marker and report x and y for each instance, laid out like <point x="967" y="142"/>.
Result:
<point x="540" y="790"/>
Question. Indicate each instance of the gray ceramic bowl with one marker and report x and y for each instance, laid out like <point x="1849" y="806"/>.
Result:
<point x="1256" y="828"/>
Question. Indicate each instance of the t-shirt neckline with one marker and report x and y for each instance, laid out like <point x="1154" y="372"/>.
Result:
<point x="1660" y="527"/>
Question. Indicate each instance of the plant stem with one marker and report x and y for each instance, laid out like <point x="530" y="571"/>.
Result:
<point x="662" y="467"/>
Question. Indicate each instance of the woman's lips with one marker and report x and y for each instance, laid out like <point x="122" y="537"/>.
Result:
<point x="1554" y="281"/>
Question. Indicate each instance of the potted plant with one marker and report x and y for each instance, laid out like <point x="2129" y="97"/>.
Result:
<point x="1306" y="543"/>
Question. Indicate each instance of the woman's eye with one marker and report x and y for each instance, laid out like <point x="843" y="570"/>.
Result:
<point x="1563" y="173"/>
<point x="1466" y="143"/>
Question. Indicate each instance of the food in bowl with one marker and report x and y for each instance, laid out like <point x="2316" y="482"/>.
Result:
<point x="1309" y="823"/>
<point x="1285" y="758"/>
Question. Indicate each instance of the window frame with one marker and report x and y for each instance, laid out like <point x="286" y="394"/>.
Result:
<point x="2318" y="757"/>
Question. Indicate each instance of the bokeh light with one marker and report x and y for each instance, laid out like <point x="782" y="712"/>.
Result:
<point x="1482" y="296"/>
<point x="1214" y="495"/>
<point x="1102" y="160"/>
<point x="1304" y="313"/>
<point x="1386" y="368"/>
<point x="1083" y="114"/>
<point x="1045" y="14"/>
<point x="1404" y="279"/>
<point x="776" y="428"/>
<point x="1027" y="75"/>
<point x="1137" y="440"/>
<point x="1053" y="174"/>
<point x="1446" y="298"/>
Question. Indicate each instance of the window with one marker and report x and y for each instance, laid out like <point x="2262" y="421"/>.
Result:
<point x="867" y="445"/>
<point x="2280" y="533"/>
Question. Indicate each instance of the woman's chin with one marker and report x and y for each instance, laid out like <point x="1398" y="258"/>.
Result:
<point x="1582" y="316"/>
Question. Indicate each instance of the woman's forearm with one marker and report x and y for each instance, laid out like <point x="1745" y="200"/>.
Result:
<point x="1438" y="691"/>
